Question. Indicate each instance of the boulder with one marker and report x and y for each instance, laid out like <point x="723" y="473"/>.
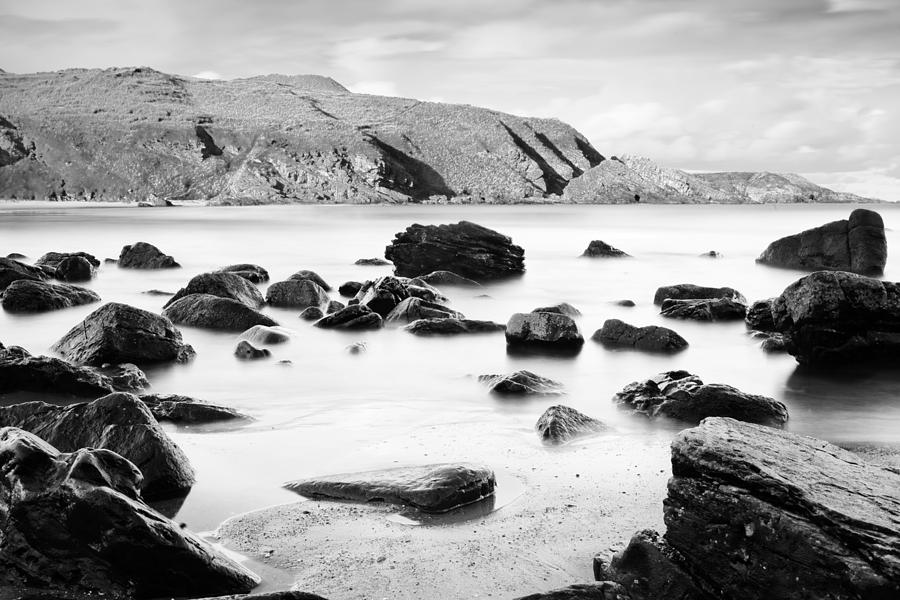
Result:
<point x="313" y="313"/>
<point x="448" y="278"/>
<point x="117" y="333"/>
<point x="413" y="309"/>
<point x="451" y="326"/>
<point x="145" y="256"/>
<point x="759" y="316"/>
<point x="563" y="308"/>
<point x="264" y="335"/>
<point x="684" y="397"/>
<point x="247" y="351"/>
<point x="126" y="377"/>
<point x="186" y="410"/>
<point x="417" y="288"/>
<point x="543" y="329"/>
<point x="250" y="272"/>
<point x="710" y="309"/>
<point x="467" y="249"/>
<point x="75" y="524"/>
<point x="53" y="260"/>
<point x="13" y="270"/>
<point x="19" y="371"/>
<point x="650" y="338"/>
<point x="560" y="424"/>
<point x="25" y="295"/>
<point x="296" y="293"/>
<point x="355" y="316"/>
<point x="118" y="422"/>
<point x="689" y="291"/>
<point x="521" y="383"/>
<point x="75" y="268"/>
<point x="430" y="488"/>
<point x="600" y="249"/>
<point x="856" y="244"/>
<point x="348" y="289"/>
<point x="211" y="312"/>
<point x="383" y="294"/>
<point x="222" y="285"/>
<point x="333" y="306"/>
<point x="311" y="276"/>
<point x="372" y="262"/>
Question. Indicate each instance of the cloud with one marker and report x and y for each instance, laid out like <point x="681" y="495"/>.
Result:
<point x="207" y="75"/>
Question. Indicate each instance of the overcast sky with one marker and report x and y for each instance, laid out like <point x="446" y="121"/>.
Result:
<point x="809" y="86"/>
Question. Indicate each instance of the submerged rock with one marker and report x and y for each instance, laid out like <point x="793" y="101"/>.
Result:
<point x="221" y="285"/>
<point x="247" y="351"/>
<point x="543" y="329"/>
<point x="356" y="348"/>
<point x="19" y="371"/>
<point x="600" y="249"/>
<point x="13" y="270"/>
<point x="413" y="309"/>
<point x="213" y="312"/>
<point x="625" y="303"/>
<point x="250" y="272"/>
<point x="689" y="291"/>
<point x="521" y="383"/>
<point x="313" y="313"/>
<point x="559" y="424"/>
<point x="348" y="289"/>
<point x="710" y="309"/>
<point x="467" y="249"/>
<point x="651" y="338"/>
<point x="430" y="488"/>
<point x="145" y="256"/>
<point x="563" y="308"/>
<point x="451" y="326"/>
<point x="296" y="293"/>
<point x="311" y="276"/>
<point x="372" y="262"/>
<point x="447" y="278"/>
<point x="187" y="410"/>
<point x="40" y="296"/>
<point x="355" y="316"/>
<point x="262" y="334"/>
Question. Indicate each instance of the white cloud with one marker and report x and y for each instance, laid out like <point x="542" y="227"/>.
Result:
<point x="207" y="75"/>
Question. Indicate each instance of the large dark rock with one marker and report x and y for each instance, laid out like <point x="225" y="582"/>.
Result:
<point x="13" y="270"/>
<point x="430" y="488"/>
<point x="213" y="312"/>
<point x="76" y="524"/>
<point x="682" y="396"/>
<point x="689" y="291"/>
<point x="710" y="309"/>
<point x="250" y="272"/>
<point x="383" y="294"/>
<point x="759" y="316"/>
<point x="296" y="293"/>
<point x="355" y="316"/>
<point x="856" y="244"/>
<point x="651" y="338"/>
<point x="222" y="285"/>
<point x="521" y="383"/>
<point x="413" y="309"/>
<point x="544" y="329"/>
<point x="311" y="276"/>
<point x="69" y="266"/>
<point x="451" y="326"/>
<point x="118" y="422"/>
<point x="762" y="514"/>
<point x="117" y="333"/>
<point x="25" y="295"/>
<point x="145" y="256"/>
<point x="186" y="410"/>
<point x="19" y="371"/>
<point x="467" y="249"/>
<point x="559" y="424"/>
<point x="600" y="249"/>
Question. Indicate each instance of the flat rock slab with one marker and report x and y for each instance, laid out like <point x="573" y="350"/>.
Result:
<point x="521" y="383"/>
<point x="708" y="309"/>
<point x="690" y="291"/>
<point x="451" y="326"/>
<point x="650" y="338"/>
<point x="186" y="410"/>
<point x="430" y="488"/>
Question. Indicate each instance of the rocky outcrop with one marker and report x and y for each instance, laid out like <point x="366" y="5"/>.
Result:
<point x="652" y="338"/>
<point x="13" y="270"/>
<point x="560" y="424"/>
<point x="118" y="422"/>
<point x="856" y="244"/>
<point x="684" y="397"/>
<point x="117" y="333"/>
<point x="709" y="309"/>
<point x="355" y="316"/>
<point x="294" y="293"/>
<point x="250" y="272"/>
<point x="544" y="329"/>
<point x="186" y="410"/>
<point x="774" y="188"/>
<point x="20" y="371"/>
<point x="521" y="383"/>
<point x="69" y="266"/>
<point x="76" y="524"/>
<point x="247" y="351"/>
<point x="467" y="249"/>
<point x="430" y="488"/>
<point x="690" y="291"/>
<point x="600" y="249"/>
<point x="222" y="285"/>
<point x="262" y="334"/>
<point x="413" y="309"/>
<point x="25" y="295"/>
<point x="305" y="274"/>
<point x="213" y="312"/>
<point x="451" y="326"/>
<point x="142" y="255"/>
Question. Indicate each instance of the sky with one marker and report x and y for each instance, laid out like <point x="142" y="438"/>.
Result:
<point x="804" y="86"/>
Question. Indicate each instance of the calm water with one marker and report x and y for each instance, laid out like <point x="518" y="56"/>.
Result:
<point x="332" y="412"/>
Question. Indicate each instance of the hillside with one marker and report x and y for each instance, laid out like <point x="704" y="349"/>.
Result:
<point x="768" y="188"/>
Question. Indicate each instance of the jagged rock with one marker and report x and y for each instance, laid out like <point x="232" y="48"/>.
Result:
<point x="762" y="514"/>
<point x="19" y="371"/>
<point x="559" y="424"/>
<point x="247" y="351"/>
<point x="13" y="270"/>
<point x="313" y="313"/>
<point x="451" y="326"/>
<point x="142" y="255"/>
<point x="187" y="410"/>
<point x="24" y="295"/>
<point x="118" y="422"/>
<point x="413" y="309"/>
<point x="213" y="312"/>
<point x="372" y="262"/>
<point x="261" y="334"/>
<point x="689" y="291"/>
<point x="430" y="488"/>
<point x="117" y="333"/>
<point x="856" y="244"/>
<point x="521" y="383"/>
<point x="651" y="338"/>
<point x="603" y="590"/>
<point x="448" y="278"/>
<point x="467" y="249"/>
<point x="250" y="272"/>
<point x="684" y="397"/>
<point x="76" y="524"/>
<point x="563" y="308"/>
<point x="296" y="293"/>
<point x="126" y="377"/>
<point x="550" y="330"/>
<point x="383" y="294"/>
<point x="356" y="348"/>
<point x="222" y="285"/>
<point x="333" y="306"/>
<point x="417" y="288"/>
<point x="600" y="249"/>
<point x="348" y="289"/>
<point x="356" y="316"/>
<point x="710" y="309"/>
<point x="311" y="276"/>
<point x="759" y="316"/>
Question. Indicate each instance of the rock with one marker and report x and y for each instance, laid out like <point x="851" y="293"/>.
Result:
<point x="288" y="595"/>
<point x="356" y="348"/>
<point x="311" y="276"/>
<point x="856" y="244"/>
<point x="16" y="256"/>
<point x="383" y="294"/>
<point x="372" y="262"/>
<point x="126" y="377"/>
<point x="75" y="523"/>
<point x="348" y="289"/>
<point x="430" y="488"/>
<point x="626" y="303"/>
<point x="110" y="261"/>
<point x="689" y="291"/>
<point x="222" y="285"/>
<point x="604" y="590"/>
<point x="762" y="514"/>
<point x="25" y="295"/>
<point x="13" y="270"/>
<point x="69" y="266"/>
<point x="448" y="278"/>
<point x="246" y="351"/>
<point x="684" y="397"/>
<point x="711" y="254"/>
<point x="600" y="249"/>
<point x="296" y="293"/>
<point x="774" y="343"/>
<point x="212" y="312"/>
<point x="53" y="260"/>
<point x="717" y="309"/>
<point x="145" y="256"/>
<point x="413" y="309"/>
<point x="521" y="383"/>
<point x="355" y="316"/>
<point x="313" y="313"/>
<point x="651" y="338"/>
<point x="451" y="326"/>
<point x="563" y="308"/>
<point x="261" y="334"/>
<point x="19" y="371"/>
<point x="467" y="249"/>
<point x="417" y="288"/>
<point x="334" y="306"/>
<point x="759" y="316"/>
<point x="543" y="329"/>
<point x="158" y="293"/>
<point x="117" y="333"/>
<point x="118" y="422"/>
<point x="187" y="410"/>
<point x="560" y="424"/>
<point x="250" y="272"/>
<point x="832" y="318"/>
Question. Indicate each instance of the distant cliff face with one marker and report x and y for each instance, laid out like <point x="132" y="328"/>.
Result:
<point x="769" y="188"/>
